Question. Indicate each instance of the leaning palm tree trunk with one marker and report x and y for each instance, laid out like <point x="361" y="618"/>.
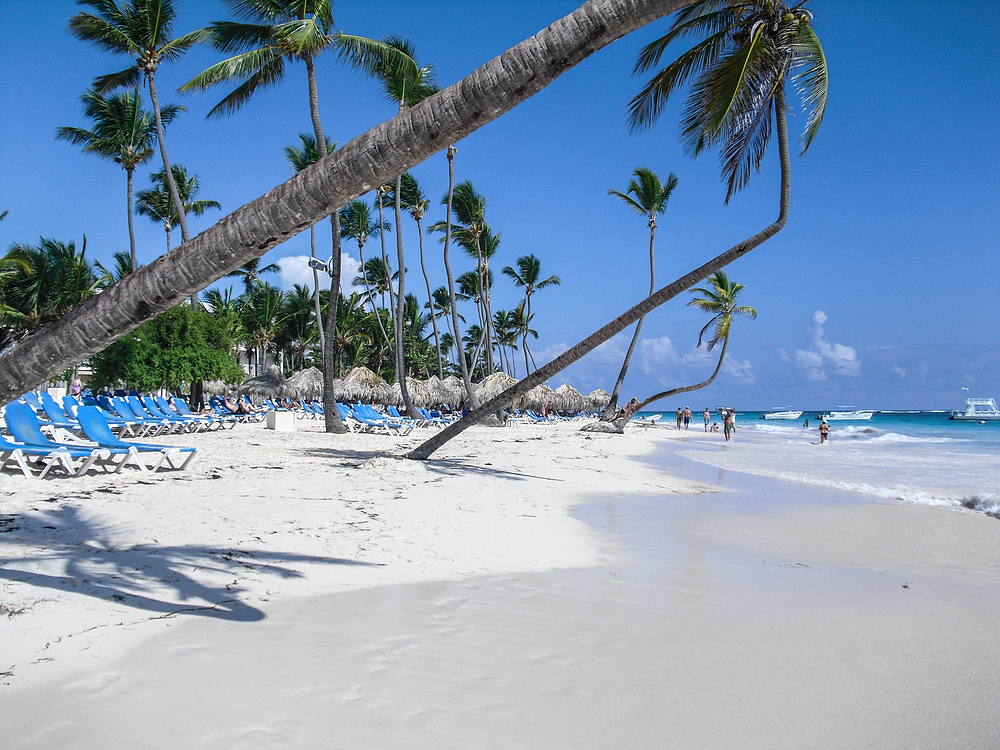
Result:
<point x="612" y="406"/>
<point x="619" y="324"/>
<point x="318" y="191"/>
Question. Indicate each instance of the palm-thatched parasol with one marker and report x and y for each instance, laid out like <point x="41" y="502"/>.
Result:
<point x="419" y="394"/>
<point x="453" y="391"/>
<point x="306" y="384"/>
<point x="598" y="398"/>
<point x="361" y="384"/>
<point x="493" y="385"/>
<point x="214" y="387"/>
<point x="269" y="384"/>
<point x="533" y="399"/>
<point x="568" y="398"/>
<point x="435" y="389"/>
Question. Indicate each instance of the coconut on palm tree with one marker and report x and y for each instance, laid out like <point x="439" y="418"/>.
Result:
<point x="648" y="196"/>
<point x="141" y="30"/>
<point x="527" y="276"/>
<point x="720" y="302"/>
<point x="123" y="132"/>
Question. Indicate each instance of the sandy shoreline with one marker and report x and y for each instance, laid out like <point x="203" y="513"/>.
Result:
<point x="530" y="587"/>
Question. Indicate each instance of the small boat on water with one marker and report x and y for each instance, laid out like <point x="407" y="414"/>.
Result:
<point x="978" y="410"/>
<point x="848" y="415"/>
<point x="781" y="414"/>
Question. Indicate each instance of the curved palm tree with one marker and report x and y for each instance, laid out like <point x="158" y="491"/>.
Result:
<point x="720" y="302"/>
<point x="157" y="204"/>
<point x="269" y="34"/>
<point x="306" y="154"/>
<point x="526" y="276"/>
<point x="140" y="29"/>
<point x="648" y="196"/>
<point x="123" y="132"/>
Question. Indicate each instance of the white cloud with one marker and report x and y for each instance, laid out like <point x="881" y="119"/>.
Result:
<point x="657" y="354"/>
<point x="822" y="356"/>
<point x="741" y="372"/>
<point x="295" y="270"/>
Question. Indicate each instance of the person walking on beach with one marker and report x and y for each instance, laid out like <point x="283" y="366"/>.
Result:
<point x="729" y="423"/>
<point x="824" y="431"/>
<point x="687" y="418"/>
<point x="679" y="417"/>
<point x="708" y="418"/>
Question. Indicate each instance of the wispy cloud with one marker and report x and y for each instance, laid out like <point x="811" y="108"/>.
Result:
<point x="823" y="357"/>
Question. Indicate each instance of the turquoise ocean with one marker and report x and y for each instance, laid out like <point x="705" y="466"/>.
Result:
<point x="914" y="456"/>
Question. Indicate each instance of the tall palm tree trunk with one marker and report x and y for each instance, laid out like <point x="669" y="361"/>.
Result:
<point x="630" y="316"/>
<point x="404" y="392"/>
<point x="316" y="305"/>
<point x="381" y="153"/>
<point x="457" y="335"/>
<point x="427" y="282"/>
<point x="131" y="229"/>
<point x="331" y="417"/>
<point x="612" y="407"/>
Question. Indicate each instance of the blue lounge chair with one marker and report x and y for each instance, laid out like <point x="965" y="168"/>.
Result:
<point x="150" y="425"/>
<point x="147" y="403"/>
<point x="62" y="427"/>
<point x="198" y="423"/>
<point x="367" y="415"/>
<point x="23" y="425"/>
<point x="20" y="454"/>
<point x="180" y="405"/>
<point x="97" y="430"/>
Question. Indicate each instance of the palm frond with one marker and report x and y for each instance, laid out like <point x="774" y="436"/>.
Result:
<point x="128" y="78"/>
<point x="812" y="82"/>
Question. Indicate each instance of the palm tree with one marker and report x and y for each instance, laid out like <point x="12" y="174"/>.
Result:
<point x="262" y="314"/>
<point x="272" y="33"/>
<point x="416" y="204"/>
<point x="405" y="84"/>
<point x="356" y="224"/>
<point x="250" y="272"/>
<point x="506" y="333"/>
<point x="521" y="323"/>
<point x="378" y="155"/>
<point x="156" y="203"/>
<point x="751" y="50"/>
<point x="300" y="158"/>
<point x="720" y="302"/>
<point x="648" y="196"/>
<point x="526" y="276"/>
<point x="123" y="132"/>
<point x="140" y="29"/>
<point x="121" y="268"/>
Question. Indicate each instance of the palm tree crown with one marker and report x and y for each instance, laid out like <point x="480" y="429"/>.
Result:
<point x="646" y="194"/>
<point x="749" y="51"/>
<point x="720" y="301"/>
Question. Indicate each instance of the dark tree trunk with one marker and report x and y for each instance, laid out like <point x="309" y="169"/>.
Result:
<point x="463" y="367"/>
<point x="401" y="306"/>
<point x="131" y="230"/>
<point x="430" y="299"/>
<point x="321" y="189"/>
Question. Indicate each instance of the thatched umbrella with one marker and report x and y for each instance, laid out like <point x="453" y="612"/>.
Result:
<point x="435" y="390"/>
<point x="306" y="385"/>
<point x="599" y="398"/>
<point x="453" y="391"/>
<point x="419" y="394"/>
<point x="533" y="399"/>
<point x="270" y="384"/>
<point x="361" y="384"/>
<point x="493" y="385"/>
<point x="214" y="387"/>
<point x="569" y="398"/>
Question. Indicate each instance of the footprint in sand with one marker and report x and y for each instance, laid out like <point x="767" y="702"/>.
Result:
<point x="94" y="683"/>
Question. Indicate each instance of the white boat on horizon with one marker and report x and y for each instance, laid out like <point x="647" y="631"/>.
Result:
<point x="781" y="414"/>
<point x="848" y="414"/>
<point x="978" y="410"/>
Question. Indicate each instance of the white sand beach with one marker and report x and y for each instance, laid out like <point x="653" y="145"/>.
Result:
<point x="528" y="587"/>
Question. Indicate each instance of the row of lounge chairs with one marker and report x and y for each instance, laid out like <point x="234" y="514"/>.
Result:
<point x="83" y="436"/>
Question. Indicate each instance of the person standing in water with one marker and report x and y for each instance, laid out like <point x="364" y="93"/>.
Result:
<point x="687" y="417"/>
<point x="679" y="417"/>
<point x="824" y="431"/>
<point x="708" y="418"/>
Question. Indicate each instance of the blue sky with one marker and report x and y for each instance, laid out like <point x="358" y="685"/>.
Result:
<point x="880" y="291"/>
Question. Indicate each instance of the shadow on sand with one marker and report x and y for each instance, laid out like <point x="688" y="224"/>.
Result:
<point x="89" y="563"/>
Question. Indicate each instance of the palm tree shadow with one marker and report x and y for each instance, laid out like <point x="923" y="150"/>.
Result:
<point x="89" y="563"/>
